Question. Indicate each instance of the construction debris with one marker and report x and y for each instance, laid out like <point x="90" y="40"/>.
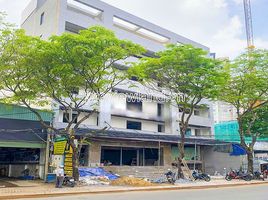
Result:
<point x="131" y="181"/>
<point x="94" y="180"/>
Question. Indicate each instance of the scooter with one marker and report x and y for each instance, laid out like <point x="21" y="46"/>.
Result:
<point x="170" y="177"/>
<point x="258" y="176"/>
<point x="68" y="181"/>
<point x="238" y="175"/>
<point x="201" y="176"/>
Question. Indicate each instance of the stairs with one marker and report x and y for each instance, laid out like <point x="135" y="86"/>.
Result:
<point x="150" y="172"/>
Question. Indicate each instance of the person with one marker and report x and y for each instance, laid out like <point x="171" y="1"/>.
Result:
<point x="59" y="176"/>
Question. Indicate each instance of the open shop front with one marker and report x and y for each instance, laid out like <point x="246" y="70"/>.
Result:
<point x="22" y="154"/>
<point x="21" y="162"/>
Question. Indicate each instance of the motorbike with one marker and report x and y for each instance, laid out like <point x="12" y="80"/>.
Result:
<point x="258" y="176"/>
<point x="238" y="175"/>
<point x="170" y="177"/>
<point x="201" y="176"/>
<point x="68" y="181"/>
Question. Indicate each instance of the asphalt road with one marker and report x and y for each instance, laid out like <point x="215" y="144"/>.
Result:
<point x="259" y="192"/>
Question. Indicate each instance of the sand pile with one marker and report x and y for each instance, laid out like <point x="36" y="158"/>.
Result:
<point x="131" y="181"/>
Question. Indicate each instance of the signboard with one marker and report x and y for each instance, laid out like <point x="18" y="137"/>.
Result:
<point x="68" y="162"/>
<point x="59" y="147"/>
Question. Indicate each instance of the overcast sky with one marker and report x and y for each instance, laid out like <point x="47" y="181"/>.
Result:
<point x="218" y="24"/>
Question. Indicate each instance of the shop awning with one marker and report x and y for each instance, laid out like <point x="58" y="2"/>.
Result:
<point x="143" y="136"/>
<point x="23" y="139"/>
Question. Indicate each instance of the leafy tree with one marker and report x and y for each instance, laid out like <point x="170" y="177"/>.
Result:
<point x="35" y="73"/>
<point x="255" y="123"/>
<point x="186" y="76"/>
<point x="247" y="89"/>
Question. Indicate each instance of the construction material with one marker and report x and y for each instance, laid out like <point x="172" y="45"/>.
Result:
<point x="186" y="171"/>
<point x="131" y="181"/>
<point x="96" y="172"/>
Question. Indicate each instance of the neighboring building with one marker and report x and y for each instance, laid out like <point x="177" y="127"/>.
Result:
<point x="141" y="133"/>
<point x="22" y="141"/>
<point x="223" y="112"/>
<point x="228" y="132"/>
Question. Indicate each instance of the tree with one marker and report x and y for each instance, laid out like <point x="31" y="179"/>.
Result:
<point x="186" y="76"/>
<point x="70" y="71"/>
<point x="255" y="123"/>
<point x="247" y="89"/>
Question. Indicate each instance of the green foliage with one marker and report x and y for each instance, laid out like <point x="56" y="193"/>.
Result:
<point x="247" y="82"/>
<point x="255" y="123"/>
<point x="16" y="69"/>
<point x="36" y="72"/>
<point x="185" y="73"/>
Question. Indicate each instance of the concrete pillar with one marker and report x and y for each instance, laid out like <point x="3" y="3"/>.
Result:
<point x="105" y="111"/>
<point x="94" y="154"/>
<point x="42" y="160"/>
<point x="167" y="155"/>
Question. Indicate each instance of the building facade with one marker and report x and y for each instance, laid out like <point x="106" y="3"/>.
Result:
<point x="138" y="118"/>
<point x="22" y="142"/>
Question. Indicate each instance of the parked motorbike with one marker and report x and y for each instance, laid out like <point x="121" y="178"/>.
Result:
<point x="68" y="181"/>
<point x="238" y="175"/>
<point x="258" y="176"/>
<point x="201" y="176"/>
<point x="170" y="177"/>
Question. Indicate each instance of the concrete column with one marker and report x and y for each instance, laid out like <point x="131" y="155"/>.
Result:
<point x="174" y="124"/>
<point x="94" y="153"/>
<point x="105" y="112"/>
<point x="167" y="155"/>
<point x="42" y="161"/>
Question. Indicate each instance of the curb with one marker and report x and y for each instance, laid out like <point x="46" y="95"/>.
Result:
<point x="41" y="195"/>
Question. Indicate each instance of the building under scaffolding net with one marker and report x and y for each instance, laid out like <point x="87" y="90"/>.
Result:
<point x="228" y="131"/>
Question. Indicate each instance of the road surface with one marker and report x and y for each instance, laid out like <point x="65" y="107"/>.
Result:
<point x="256" y="192"/>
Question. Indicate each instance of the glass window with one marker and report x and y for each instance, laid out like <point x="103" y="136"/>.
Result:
<point x="133" y="125"/>
<point x="134" y="104"/>
<point x="42" y="18"/>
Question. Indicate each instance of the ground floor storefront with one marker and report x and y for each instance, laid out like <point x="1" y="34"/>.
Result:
<point x="23" y="163"/>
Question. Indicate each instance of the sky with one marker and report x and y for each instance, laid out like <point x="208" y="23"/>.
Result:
<point x="218" y="24"/>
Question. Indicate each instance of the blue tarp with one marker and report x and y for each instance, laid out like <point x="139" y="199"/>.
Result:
<point x="237" y="150"/>
<point x="84" y="172"/>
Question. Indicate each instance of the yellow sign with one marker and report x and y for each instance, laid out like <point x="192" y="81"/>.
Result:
<point x="59" y="147"/>
<point x="68" y="162"/>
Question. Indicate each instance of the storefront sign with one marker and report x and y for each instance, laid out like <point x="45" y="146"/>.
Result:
<point x="59" y="147"/>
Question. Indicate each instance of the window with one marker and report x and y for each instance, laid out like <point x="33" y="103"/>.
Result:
<point x="134" y="78"/>
<point x="187" y="110"/>
<point x="197" y="112"/>
<point x="66" y="117"/>
<point x="42" y="18"/>
<point x="160" y="109"/>
<point x="161" y="128"/>
<point x="133" y="125"/>
<point x="197" y="132"/>
<point x="134" y="104"/>
<point x="188" y="132"/>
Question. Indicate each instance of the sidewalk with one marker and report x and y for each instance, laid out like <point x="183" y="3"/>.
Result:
<point x="38" y="189"/>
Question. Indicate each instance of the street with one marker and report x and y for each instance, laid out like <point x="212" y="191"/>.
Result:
<point x="236" y="193"/>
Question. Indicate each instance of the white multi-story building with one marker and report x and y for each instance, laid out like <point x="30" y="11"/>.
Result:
<point x="224" y="112"/>
<point x="140" y="133"/>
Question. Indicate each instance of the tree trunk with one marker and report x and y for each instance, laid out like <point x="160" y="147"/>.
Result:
<point x="181" y="153"/>
<point x="250" y="161"/>
<point x="75" y="158"/>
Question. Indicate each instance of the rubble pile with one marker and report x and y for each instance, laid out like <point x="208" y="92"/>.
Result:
<point x="95" y="176"/>
<point x="94" y="180"/>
